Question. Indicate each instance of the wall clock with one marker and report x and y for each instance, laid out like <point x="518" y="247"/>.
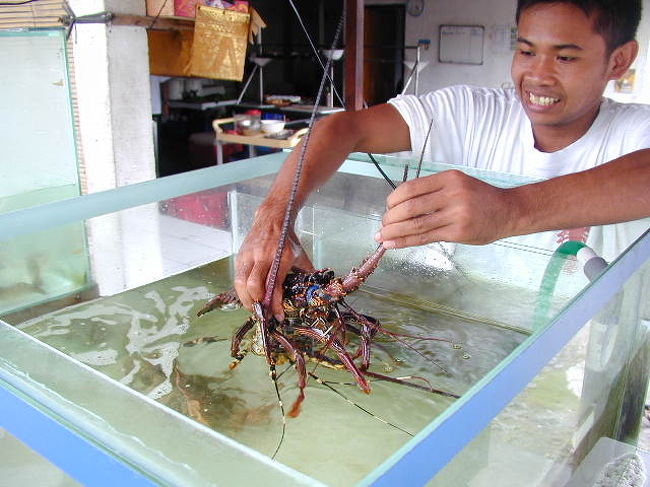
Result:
<point x="414" y="7"/>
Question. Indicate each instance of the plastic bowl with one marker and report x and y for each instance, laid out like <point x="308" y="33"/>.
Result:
<point x="270" y="127"/>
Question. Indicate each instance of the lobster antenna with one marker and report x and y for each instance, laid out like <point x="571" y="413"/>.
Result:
<point x="381" y="171"/>
<point x="273" y="273"/>
<point x="442" y="248"/>
<point x="353" y="403"/>
<point x="326" y="69"/>
<point x="274" y="379"/>
<point x="424" y="146"/>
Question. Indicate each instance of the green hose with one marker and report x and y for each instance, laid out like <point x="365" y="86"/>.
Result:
<point x="549" y="280"/>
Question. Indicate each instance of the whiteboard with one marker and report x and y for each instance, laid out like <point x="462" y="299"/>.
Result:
<point x="461" y="44"/>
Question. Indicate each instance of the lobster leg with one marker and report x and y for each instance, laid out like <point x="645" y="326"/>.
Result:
<point x="228" y="298"/>
<point x="299" y="361"/>
<point x="364" y="334"/>
<point x="399" y="336"/>
<point x="342" y="354"/>
<point x="368" y="329"/>
<point x="235" y="350"/>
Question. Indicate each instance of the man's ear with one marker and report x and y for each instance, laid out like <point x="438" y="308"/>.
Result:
<point x="621" y="59"/>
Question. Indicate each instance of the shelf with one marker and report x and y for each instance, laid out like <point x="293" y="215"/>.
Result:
<point x="206" y="105"/>
<point x="153" y="23"/>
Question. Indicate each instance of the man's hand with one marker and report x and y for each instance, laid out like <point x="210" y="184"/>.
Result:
<point x="255" y="259"/>
<point x="453" y="207"/>
<point x="449" y="206"/>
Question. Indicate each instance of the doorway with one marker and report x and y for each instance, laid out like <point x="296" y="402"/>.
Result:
<point x="383" y="65"/>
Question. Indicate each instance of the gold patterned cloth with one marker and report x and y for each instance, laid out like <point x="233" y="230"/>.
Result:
<point x="220" y="41"/>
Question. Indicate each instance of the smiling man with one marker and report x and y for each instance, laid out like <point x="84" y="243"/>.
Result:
<point x="563" y="63"/>
<point x="591" y="154"/>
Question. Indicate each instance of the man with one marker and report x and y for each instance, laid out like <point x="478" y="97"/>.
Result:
<point x="553" y="124"/>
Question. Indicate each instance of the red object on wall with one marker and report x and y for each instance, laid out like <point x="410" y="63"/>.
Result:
<point x="207" y="208"/>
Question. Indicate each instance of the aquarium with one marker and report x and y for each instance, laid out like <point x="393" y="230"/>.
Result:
<point x="502" y="359"/>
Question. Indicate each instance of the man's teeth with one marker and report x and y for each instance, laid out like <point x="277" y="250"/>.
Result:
<point x="542" y="100"/>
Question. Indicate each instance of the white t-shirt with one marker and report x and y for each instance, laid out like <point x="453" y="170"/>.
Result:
<point x="487" y="128"/>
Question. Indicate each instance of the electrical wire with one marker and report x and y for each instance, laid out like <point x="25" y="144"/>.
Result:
<point x="155" y="19"/>
<point x="23" y="2"/>
<point x="316" y="54"/>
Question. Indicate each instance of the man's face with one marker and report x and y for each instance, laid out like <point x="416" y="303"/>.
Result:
<point x="560" y="69"/>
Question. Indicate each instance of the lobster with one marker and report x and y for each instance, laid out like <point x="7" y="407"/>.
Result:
<point x="317" y="326"/>
<point x="312" y="304"/>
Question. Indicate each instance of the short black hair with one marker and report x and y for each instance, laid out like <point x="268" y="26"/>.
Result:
<point x="615" y="20"/>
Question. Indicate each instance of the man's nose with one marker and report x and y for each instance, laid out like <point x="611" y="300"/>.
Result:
<point x="542" y="70"/>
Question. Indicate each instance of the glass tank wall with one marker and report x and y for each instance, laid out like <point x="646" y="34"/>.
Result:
<point x="38" y="166"/>
<point x="460" y="331"/>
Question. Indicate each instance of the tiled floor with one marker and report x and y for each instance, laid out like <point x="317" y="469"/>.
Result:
<point x="141" y="245"/>
<point x="187" y="244"/>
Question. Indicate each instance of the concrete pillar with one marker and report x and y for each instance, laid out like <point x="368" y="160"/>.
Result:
<point x="112" y="76"/>
<point x="113" y="87"/>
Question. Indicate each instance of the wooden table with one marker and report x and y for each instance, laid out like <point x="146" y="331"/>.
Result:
<point x="251" y="141"/>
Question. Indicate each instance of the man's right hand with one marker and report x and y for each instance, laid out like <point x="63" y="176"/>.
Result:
<point x="255" y="259"/>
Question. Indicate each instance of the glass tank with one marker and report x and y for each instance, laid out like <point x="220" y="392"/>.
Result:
<point x="480" y="361"/>
<point x="38" y="166"/>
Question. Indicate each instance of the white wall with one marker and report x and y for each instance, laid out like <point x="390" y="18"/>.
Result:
<point x="492" y="14"/>
<point x="495" y="70"/>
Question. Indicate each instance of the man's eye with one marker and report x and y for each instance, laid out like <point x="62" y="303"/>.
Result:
<point x="525" y="52"/>
<point x="566" y="59"/>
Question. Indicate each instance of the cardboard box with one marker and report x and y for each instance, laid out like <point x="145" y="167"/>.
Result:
<point x="162" y="8"/>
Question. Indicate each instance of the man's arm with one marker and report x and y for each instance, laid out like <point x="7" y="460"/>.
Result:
<point x="379" y="129"/>
<point x="451" y="206"/>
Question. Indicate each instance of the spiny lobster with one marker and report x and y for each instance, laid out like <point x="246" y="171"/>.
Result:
<point x="316" y="327"/>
